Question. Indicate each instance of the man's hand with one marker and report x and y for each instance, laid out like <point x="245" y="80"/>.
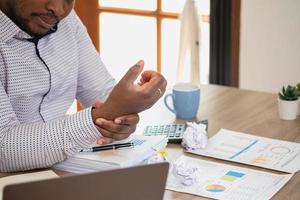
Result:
<point x="119" y="128"/>
<point x="127" y="97"/>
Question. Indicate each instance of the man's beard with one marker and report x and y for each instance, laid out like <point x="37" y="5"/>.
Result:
<point x="23" y="22"/>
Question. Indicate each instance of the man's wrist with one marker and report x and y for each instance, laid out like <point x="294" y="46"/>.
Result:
<point x="106" y="112"/>
<point x="93" y="114"/>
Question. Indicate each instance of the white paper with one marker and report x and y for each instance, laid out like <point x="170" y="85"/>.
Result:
<point x="27" y="177"/>
<point x="126" y="157"/>
<point x="225" y="182"/>
<point x="253" y="150"/>
<point x="86" y="162"/>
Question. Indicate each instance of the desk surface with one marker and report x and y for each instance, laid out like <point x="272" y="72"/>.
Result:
<point x="240" y="110"/>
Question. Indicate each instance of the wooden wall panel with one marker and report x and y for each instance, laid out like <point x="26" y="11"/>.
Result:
<point x="87" y="10"/>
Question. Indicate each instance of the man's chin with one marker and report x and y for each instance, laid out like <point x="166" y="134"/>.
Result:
<point x="38" y="32"/>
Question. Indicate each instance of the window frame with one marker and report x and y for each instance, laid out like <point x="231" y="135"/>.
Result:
<point x="89" y="14"/>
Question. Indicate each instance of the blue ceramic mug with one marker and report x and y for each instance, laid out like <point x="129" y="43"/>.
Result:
<point x="186" y="98"/>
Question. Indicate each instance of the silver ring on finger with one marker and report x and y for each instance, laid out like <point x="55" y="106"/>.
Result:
<point x="159" y="91"/>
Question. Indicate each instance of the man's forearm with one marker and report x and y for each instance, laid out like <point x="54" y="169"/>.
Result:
<point x="39" y="145"/>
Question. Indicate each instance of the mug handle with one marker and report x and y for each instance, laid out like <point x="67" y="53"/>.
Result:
<point x="166" y="102"/>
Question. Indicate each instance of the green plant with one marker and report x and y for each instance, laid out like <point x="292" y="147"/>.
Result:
<point x="290" y="93"/>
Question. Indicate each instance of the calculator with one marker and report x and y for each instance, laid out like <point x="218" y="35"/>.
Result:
<point x="174" y="132"/>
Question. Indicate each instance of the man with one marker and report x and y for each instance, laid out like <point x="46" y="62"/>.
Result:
<point x="46" y="61"/>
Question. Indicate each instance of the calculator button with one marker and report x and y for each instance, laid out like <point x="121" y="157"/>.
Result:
<point x="167" y="129"/>
<point x="173" y="129"/>
<point x="146" y="131"/>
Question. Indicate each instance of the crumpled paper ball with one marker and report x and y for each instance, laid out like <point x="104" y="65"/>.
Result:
<point x="185" y="173"/>
<point x="195" y="136"/>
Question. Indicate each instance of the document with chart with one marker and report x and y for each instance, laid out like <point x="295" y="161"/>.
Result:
<point x="253" y="150"/>
<point x="225" y="182"/>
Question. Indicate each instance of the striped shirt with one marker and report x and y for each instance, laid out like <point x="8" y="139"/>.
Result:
<point x="39" y="81"/>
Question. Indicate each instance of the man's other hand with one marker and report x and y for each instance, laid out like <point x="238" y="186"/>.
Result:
<point x="117" y="129"/>
<point x="128" y="97"/>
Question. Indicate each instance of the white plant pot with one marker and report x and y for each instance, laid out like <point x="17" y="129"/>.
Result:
<point x="288" y="110"/>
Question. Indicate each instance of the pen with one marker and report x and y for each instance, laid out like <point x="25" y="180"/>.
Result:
<point x="108" y="147"/>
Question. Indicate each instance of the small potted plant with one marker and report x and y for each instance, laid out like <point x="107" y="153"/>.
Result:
<point x="288" y="102"/>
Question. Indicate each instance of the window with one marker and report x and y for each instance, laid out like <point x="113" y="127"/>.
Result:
<point x="130" y="30"/>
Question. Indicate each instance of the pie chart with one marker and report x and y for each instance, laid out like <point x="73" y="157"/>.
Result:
<point x="215" y="188"/>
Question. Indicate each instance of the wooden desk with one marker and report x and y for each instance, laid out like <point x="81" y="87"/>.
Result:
<point x="240" y="110"/>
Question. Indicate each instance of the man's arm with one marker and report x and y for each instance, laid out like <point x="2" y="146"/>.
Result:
<point x="128" y="97"/>
<point x="40" y="145"/>
<point x="94" y="82"/>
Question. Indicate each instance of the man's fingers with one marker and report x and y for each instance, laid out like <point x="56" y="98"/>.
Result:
<point x="132" y="119"/>
<point x="106" y="133"/>
<point x="146" y="76"/>
<point x="112" y="127"/>
<point x="121" y="136"/>
<point x="159" y="93"/>
<point x="164" y="86"/>
<point x="104" y="140"/>
<point x="155" y="83"/>
<point x="133" y="72"/>
<point x="114" y="136"/>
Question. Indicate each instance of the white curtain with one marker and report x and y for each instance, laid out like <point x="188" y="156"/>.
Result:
<point x="189" y="43"/>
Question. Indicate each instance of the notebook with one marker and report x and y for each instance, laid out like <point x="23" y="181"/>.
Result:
<point x="87" y="162"/>
<point x="143" y="182"/>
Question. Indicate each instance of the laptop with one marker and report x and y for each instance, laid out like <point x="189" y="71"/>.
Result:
<point x="145" y="182"/>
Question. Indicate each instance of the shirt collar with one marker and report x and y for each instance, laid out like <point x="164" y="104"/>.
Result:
<point x="10" y="30"/>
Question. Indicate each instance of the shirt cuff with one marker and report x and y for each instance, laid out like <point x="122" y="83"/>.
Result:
<point x="81" y="129"/>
